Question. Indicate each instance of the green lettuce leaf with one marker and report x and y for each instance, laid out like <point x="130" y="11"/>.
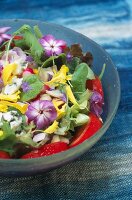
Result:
<point x="27" y="139"/>
<point x="81" y="119"/>
<point x="7" y="130"/>
<point x="8" y="140"/>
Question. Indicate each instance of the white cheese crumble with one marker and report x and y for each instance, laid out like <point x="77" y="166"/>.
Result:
<point x="12" y="117"/>
<point x="14" y="87"/>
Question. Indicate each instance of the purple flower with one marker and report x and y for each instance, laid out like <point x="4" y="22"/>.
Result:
<point x="26" y="87"/>
<point x="69" y="57"/>
<point x="29" y="59"/>
<point x="3" y="35"/>
<point x="52" y="46"/>
<point x="96" y="103"/>
<point x="42" y="113"/>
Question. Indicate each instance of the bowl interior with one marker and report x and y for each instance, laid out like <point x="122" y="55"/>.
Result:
<point x="111" y="86"/>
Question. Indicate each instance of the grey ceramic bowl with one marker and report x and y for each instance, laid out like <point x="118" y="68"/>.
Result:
<point x="111" y="86"/>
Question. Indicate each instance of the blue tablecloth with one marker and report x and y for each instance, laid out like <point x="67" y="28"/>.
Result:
<point x="105" y="172"/>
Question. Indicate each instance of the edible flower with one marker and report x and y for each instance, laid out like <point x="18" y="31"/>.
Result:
<point x="60" y="76"/>
<point x="8" y="73"/>
<point x="42" y="113"/>
<point x="70" y="94"/>
<point x="17" y="56"/>
<point x="60" y="111"/>
<point x="12" y="97"/>
<point x="3" y="35"/>
<point x="52" y="46"/>
<point x="3" y="108"/>
<point x="26" y="87"/>
<point x="52" y="128"/>
<point x="20" y="106"/>
<point x="96" y="103"/>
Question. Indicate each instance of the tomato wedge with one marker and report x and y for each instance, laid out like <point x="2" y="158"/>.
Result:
<point x="86" y="131"/>
<point x="95" y="85"/>
<point x="18" y="37"/>
<point x="4" y="155"/>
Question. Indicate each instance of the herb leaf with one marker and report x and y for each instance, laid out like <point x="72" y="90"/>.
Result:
<point x="79" y="79"/>
<point x="9" y="139"/>
<point x="37" y="32"/>
<point x="36" y="86"/>
<point x="32" y="42"/>
<point x="7" y="130"/>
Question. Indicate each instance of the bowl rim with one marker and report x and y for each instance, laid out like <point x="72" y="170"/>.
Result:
<point x="78" y="150"/>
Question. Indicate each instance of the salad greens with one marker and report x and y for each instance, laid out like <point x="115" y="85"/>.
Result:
<point x="43" y="90"/>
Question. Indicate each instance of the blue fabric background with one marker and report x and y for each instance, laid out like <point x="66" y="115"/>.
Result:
<point x="105" y="172"/>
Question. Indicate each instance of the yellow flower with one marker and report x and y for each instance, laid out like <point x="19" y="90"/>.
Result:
<point x="60" y="76"/>
<point x="13" y="97"/>
<point x="70" y="94"/>
<point x="8" y="73"/>
<point x="35" y="71"/>
<point x="4" y="106"/>
<point x="60" y="111"/>
<point x="51" y="129"/>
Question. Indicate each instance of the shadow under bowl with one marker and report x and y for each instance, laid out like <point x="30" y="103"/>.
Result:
<point x="111" y="86"/>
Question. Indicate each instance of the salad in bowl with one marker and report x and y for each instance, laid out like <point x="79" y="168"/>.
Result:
<point x="50" y="98"/>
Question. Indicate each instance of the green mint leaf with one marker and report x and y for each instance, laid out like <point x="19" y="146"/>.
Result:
<point x="36" y="87"/>
<point x="79" y="79"/>
<point x="32" y="42"/>
<point x="90" y="73"/>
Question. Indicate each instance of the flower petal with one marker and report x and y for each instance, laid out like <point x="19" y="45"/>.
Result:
<point x="61" y="43"/>
<point x="41" y="122"/>
<point x="6" y="36"/>
<point x="49" y="38"/>
<point x="1" y="39"/>
<point x="4" y="29"/>
<point x="36" y="105"/>
<point x="52" y="128"/>
<point x="31" y="113"/>
<point x="57" y="50"/>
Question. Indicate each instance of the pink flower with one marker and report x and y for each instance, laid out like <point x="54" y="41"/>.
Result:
<point x="52" y="46"/>
<point x="3" y="35"/>
<point x="42" y="113"/>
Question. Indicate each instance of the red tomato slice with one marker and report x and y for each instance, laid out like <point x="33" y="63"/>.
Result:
<point x="86" y="131"/>
<point x="95" y="85"/>
<point x="4" y="155"/>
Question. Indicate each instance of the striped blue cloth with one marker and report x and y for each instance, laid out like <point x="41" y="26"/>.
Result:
<point x="105" y="171"/>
